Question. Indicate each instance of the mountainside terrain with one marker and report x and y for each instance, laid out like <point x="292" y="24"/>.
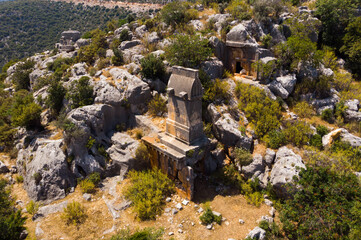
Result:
<point x="231" y="120"/>
<point x="33" y="26"/>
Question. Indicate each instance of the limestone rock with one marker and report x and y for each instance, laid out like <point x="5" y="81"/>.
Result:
<point x="214" y="68"/>
<point x="82" y="42"/>
<point x="134" y="89"/>
<point x="141" y="31"/>
<point x="79" y="69"/>
<point x="344" y="135"/>
<point x="158" y="53"/>
<point x="257" y="165"/>
<point x="218" y="45"/>
<point x="352" y="112"/>
<point x="287" y="165"/>
<point x="288" y="82"/>
<point x="122" y="152"/>
<point x="277" y="88"/>
<point x="257" y="233"/>
<point x="129" y="44"/>
<point x="153" y="38"/>
<point x="107" y="93"/>
<point x="133" y="67"/>
<point x="197" y="24"/>
<point x="3" y="168"/>
<point x="47" y="175"/>
<point x="269" y="157"/>
<point x="239" y="33"/>
<point x="254" y="29"/>
<point x="36" y="75"/>
<point x="276" y="34"/>
<point x="352" y="105"/>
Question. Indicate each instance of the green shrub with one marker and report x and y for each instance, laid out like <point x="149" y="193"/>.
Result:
<point x="74" y="213"/>
<point x="316" y="141"/>
<point x="188" y="51"/>
<point x="242" y="156"/>
<point x="255" y="198"/>
<point x="173" y="13"/>
<point x="90" y="143"/>
<point x="208" y="217"/>
<point x="297" y="133"/>
<point x="263" y="113"/>
<point x="144" y="234"/>
<point x="19" y="179"/>
<point x="21" y="75"/>
<point x="147" y="191"/>
<point x="87" y="186"/>
<point x="81" y="92"/>
<point x="322" y="130"/>
<point x="32" y="207"/>
<point x="239" y="9"/>
<point x="275" y="139"/>
<point x="349" y="154"/>
<point x="142" y="154"/>
<point x="56" y="96"/>
<point x="11" y="220"/>
<point x="152" y="67"/>
<point x="157" y="106"/>
<point x="325" y="199"/>
<point x="264" y="9"/>
<point x="117" y="59"/>
<point x="323" y="86"/>
<point x="327" y="115"/>
<point x="94" y="178"/>
<point x="343" y="81"/>
<point x="303" y="110"/>
<point x="216" y="91"/>
<point x="95" y="49"/>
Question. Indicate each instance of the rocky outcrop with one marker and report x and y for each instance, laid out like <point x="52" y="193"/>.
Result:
<point x="153" y="38"/>
<point x="352" y="112"/>
<point x="343" y="135"/>
<point x="287" y="165"/>
<point x="46" y="172"/>
<point x="257" y="233"/>
<point x="226" y="129"/>
<point x="283" y="86"/>
<point x="214" y="68"/>
<point x="122" y="153"/>
<point x="141" y="31"/>
<point x="129" y="44"/>
<point x="239" y="33"/>
<point x="255" y="168"/>
<point x="3" y="168"/>
<point x="36" y="76"/>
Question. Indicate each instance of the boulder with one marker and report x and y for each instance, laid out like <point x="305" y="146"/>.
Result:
<point x="158" y="53"/>
<point x="342" y="134"/>
<point x="153" y="38"/>
<point x="257" y="233"/>
<point x="47" y="176"/>
<point x="82" y="42"/>
<point x="79" y="69"/>
<point x="352" y="112"/>
<point x="219" y="19"/>
<point x="135" y="91"/>
<point x="352" y="105"/>
<point x="197" y="24"/>
<point x="128" y="54"/>
<point x="287" y="165"/>
<point x="218" y="45"/>
<point x="3" y="168"/>
<point x="269" y="157"/>
<point x="107" y="93"/>
<point x="288" y="82"/>
<point x="140" y="31"/>
<point x="129" y="44"/>
<point x="276" y="34"/>
<point x="214" y="68"/>
<point x="239" y="33"/>
<point x="133" y="68"/>
<point x="226" y="130"/>
<point x="109" y="53"/>
<point x="322" y="104"/>
<point x="36" y="75"/>
<point x="277" y="88"/>
<point x="307" y="70"/>
<point x="256" y="167"/>
<point x="119" y="30"/>
<point x="254" y="29"/>
<point x="121" y="152"/>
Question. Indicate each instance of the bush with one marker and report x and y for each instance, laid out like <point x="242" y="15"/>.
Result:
<point x="303" y="110"/>
<point x="264" y="9"/>
<point x="349" y="155"/>
<point x="11" y="220"/>
<point x="239" y="9"/>
<point x="56" y="96"/>
<point x="323" y="86"/>
<point x="74" y="213"/>
<point x="141" y="154"/>
<point x="316" y="141"/>
<point x="117" y="59"/>
<point x="173" y="13"/>
<point x="263" y="113"/>
<point x="242" y="156"/>
<point x="19" y="179"/>
<point x="255" y="198"/>
<point x="32" y="207"/>
<point x="216" y="91"/>
<point x="188" y="51"/>
<point x="95" y="49"/>
<point x="144" y="234"/>
<point x="325" y="199"/>
<point x="157" y="106"/>
<point x="21" y="75"/>
<point x="322" y="130"/>
<point x="208" y="217"/>
<point x="87" y="186"/>
<point x="152" y="67"/>
<point x="343" y="81"/>
<point x="81" y="93"/>
<point x="297" y="133"/>
<point x="147" y="191"/>
<point x="327" y="115"/>
<point x="24" y="111"/>
<point x="275" y="139"/>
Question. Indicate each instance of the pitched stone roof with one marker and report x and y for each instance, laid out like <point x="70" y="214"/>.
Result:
<point x="184" y="83"/>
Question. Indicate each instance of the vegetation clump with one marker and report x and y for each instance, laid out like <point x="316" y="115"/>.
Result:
<point x="143" y="234"/>
<point x="74" y="213"/>
<point x="81" y="93"/>
<point x="147" y="191"/>
<point x="209" y="217"/>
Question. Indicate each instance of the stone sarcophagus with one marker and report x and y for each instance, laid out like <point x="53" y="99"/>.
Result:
<point x="185" y="93"/>
<point x="180" y="150"/>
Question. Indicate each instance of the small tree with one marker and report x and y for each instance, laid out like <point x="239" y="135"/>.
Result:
<point x="117" y="59"/>
<point x="188" y="51"/>
<point x="56" y="96"/>
<point x="74" y="213"/>
<point x="157" y="106"/>
<point x="81" y="93"/>
<point x="152" y="67"/>
<point x="24" y="111"/>
<point x="242" y="156"/>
